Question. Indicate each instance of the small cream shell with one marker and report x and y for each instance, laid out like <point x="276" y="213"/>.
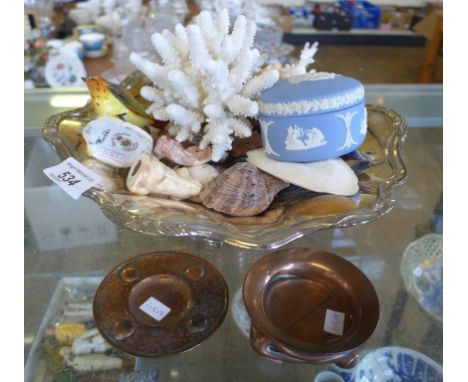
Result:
<point x="150" y="176"/>
<point x="111" y="181"/>
<point x="203" y="173"/>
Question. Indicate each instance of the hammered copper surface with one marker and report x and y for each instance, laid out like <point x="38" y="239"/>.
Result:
<point x="191" y="287"/>
<point x="288" y="292"/>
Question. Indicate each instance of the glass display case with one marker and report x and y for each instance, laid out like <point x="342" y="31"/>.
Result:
<point x="70" y="245"/>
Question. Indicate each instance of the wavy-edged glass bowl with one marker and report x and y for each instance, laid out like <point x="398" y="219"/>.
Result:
<point x="293" y="214"/>
<point x="421" y="269"/>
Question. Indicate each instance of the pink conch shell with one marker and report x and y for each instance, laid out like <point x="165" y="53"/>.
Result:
<point x="150" y="176"/>
<point x="171" y="149"/>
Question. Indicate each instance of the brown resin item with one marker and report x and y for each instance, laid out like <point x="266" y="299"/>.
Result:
<point x="159" y="304"/>
<point x="323" y="205"/>
<point x="241" y="146"/>
<point x="241" y="190"/>
<point x="271" y="216"/>
<point x="288" y="295"/>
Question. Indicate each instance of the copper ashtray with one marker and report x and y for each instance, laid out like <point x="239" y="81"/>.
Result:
<point x="293" y="296"/>
<point x="159" y="304"/>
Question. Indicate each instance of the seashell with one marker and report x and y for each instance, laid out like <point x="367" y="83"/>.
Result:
<point x="112" y="179"/>
<point x="204" y="173"/>
<point x="171" y="149"/>
<point x="241" y="190"/>
<point x="331" y="176"/>
<point x="183" y="172"/>
<point x="115" y="142"/>
<point x="150" y="176"/>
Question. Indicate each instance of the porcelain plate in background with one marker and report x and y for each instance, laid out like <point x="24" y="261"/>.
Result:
<point x="397" y="364"/>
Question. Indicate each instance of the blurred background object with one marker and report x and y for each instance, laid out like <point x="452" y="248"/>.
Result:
<point x="381" y="41"/>
<point x="422" y="272"/>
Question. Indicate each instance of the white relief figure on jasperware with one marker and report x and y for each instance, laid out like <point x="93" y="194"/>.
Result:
<point x="300" y="139"/>
<point x="347" y="118"/>
<point x="265" y="126"/>
<point x="364" y="123"/>
<point x="312" y="76"/>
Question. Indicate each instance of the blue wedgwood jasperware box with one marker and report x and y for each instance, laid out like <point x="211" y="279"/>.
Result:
<point x="312" y="117"/>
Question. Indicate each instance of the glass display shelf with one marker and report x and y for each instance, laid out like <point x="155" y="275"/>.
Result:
<point x="421" y="105"/>
<point x="68" y="239"/>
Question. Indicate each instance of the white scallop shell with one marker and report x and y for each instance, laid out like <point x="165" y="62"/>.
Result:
<point x="332" y="176"/>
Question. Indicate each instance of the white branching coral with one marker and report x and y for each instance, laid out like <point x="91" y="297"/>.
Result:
<point x="209" y="80"/>
<point x="300" y="67"/>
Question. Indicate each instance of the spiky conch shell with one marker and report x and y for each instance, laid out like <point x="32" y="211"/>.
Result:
<point x="207" y="83"/>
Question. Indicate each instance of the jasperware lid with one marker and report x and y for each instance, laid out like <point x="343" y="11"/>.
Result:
<point x="311" y="93"/>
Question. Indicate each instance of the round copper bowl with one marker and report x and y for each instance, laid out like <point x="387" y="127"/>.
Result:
<point x="287" y="294"/>
<point x="192" y="288"/>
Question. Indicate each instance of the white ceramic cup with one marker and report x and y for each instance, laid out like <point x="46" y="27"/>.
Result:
<point x="93" y="41"/>
<point x="81" y="16"/>
<point x="328" y="376"/>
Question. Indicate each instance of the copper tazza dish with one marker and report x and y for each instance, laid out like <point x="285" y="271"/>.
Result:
<point x="274" y="350"/>
<point x="287" y="293"/>
<point x="191" y="287"/>
<point x="284" y="222"/>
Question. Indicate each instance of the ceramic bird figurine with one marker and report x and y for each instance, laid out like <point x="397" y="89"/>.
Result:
<point x="110" y="99"/>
